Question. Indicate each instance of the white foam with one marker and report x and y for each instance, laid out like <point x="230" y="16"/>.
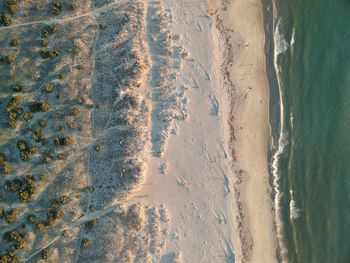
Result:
<point x="292" y="40"/>
<point x="294" y="211"/>
<point x="281" y="45"/>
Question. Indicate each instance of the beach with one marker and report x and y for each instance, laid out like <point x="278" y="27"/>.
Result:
<point x="145" y="129"/>
<point x="213" y="176"/>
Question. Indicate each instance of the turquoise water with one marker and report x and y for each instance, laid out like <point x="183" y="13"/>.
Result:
<point x="315" y="164"/>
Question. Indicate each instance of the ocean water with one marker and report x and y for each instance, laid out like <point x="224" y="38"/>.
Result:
<point x="313" y="168"/>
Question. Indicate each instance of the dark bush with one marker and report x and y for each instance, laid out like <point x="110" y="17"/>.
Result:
<point x="6" y="19"/>
<point x="37" y="106"/>
<point x="56" y="8"/>
<point x="63" y="141"/>
<point x="14" y="42"/>
<point x="85" y="243"/>
<point x="18" y="87"/>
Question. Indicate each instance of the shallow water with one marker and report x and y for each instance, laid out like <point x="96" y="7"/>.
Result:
<point x="315" y="163"/>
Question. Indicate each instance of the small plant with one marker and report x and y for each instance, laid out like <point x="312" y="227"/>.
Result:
<point x="6" y="19"/>
<point x="6" y="168"/>
<point x="12" y="9"/>
<point x="37" y="106"/>
<point x="44" y="42"/>
<point x="50" y="54"/>
<point x="2" y="212"/>
<point x="56" y="8"/>
<point x="31" y="218"/>
<point x="41" y="226"/>
<point x="97" y="147"/>
<point x="13" y="185"/>
<point x="85" y="243"/>
<point x="75" y="111"/>
<point x="62" y="76"/>
<point x="49" y="87"/>
<point x="62" y="156"/>
<point x="71" y="7"/>
<point x="42" y="123"/>
<point x="103" y="26"/>
<point x="80" y="100"/>
<point x="10" y="59"/>
<point x="46" y="253"/>
<point x="38" y="136"/>
<point x="27" y="116"/>
<point x="92" y="223"/>
<point x="18" y="87"/>
<point x="14" y="42"/>
<point x="48" y="159"/>
<point x="50" y="30"/>
<point x="28" y="189"/>
<point x="64" y="199"/>
<point x="25" y="151"/>
<point x="14" y="102"/>
<point x="12" y="216"/>
<point x="43" y="177"/>
<point x="2" y="157"/>
<point x="65" y="233"/>
<point x="54" y="203"/>
<point x="63" y="141"/>
<point x="17" y="237"/>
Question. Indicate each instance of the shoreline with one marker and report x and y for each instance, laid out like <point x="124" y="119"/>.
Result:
<point x="253" y="247"/>
<point x="269" y="13"/>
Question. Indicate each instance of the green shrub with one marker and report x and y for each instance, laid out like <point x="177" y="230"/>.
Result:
<point x="6" y="19"/>
<point x="92" y="223"/>
<point x="75" y="111"/>
<point x="31" y="218"/>
<point x="41" y="226"/>
<point x="14" y="185"/>
<point x="85" y="243"/>
<point x="46" y="253"/>
<point x="62" y="76"/>
<point x="6" y="168"/>
<point x="10" y="59"/>
<point x="42" y="123"/>
<point x="2" y="212"/>
<point x="27" y="116"/>
<point x="50" y="30"/>
<point x="12" y="8"/>
<point x="14" y="102"/>
<point x="43" y="177"/>
<point x="12" y="2"/>
<point x="28" y="189"/>
<point x="71" y="7"/>
<point x="2" y="157"/>
<point x="38" y="136"/>
<point x="48" y="87"/>
<point x="64" y="199"/>
<point x="14" y="42"/>
<point x="56" y="8"/>
<point x="50" y="54"/>
<point x="12" y="216"/>
<point x="44" y="42"/>
<point x="97" y="147"/>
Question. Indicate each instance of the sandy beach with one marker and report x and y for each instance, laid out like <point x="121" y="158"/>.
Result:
<point x="213" y="175"/>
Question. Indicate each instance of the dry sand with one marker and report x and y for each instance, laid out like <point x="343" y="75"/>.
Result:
<point x="212" y="172"/>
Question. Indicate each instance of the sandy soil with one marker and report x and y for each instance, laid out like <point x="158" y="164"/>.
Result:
<point x="213" y="174"/>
